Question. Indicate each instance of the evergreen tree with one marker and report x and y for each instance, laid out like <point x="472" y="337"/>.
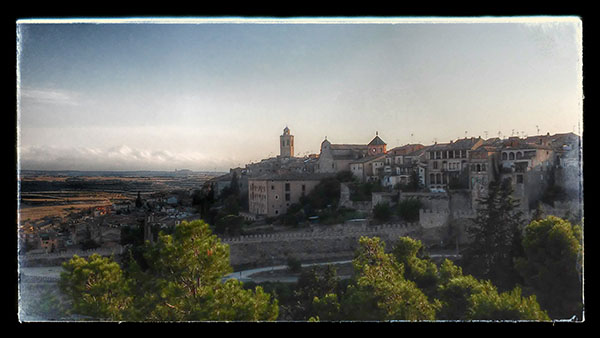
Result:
<point x="496" y="237"/>
<point x="182" y="282"/>
<point x="138" y="201"/>
<point x="551" y="266"/>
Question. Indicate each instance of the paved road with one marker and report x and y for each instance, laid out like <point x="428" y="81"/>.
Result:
<point x="246" y="275"/>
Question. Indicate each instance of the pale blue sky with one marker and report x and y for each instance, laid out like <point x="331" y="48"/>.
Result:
<point x="205" y="96"/>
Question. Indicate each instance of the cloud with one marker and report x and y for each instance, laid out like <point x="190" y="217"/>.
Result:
<point x="49" y="96"/>
<point x="116" y="158"/>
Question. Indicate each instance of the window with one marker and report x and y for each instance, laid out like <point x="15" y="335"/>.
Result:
<point x="287" y="187"/>
<point x="483" y="167"/>
<point x="431" y="156"/>
<point x="511" y="156"/>
<point x="519" y="155"/>
<point x="444" y="153"/>
<point x="519" y="178"/>
<point x="435" y="165"/>
<point x="272" y="187"/>
<point x="287" y="197"/>
<point x="431" y="179"/>
<point x="504" y="156"/>
<point x="478" y="168"/>
<point x="303" y="188"/>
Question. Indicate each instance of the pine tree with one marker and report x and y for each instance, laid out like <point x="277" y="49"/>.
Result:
<point x="496" y="237"/>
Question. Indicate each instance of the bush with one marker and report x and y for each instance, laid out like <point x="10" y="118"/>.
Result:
<point x="408" y="209"/>
<point x="382" y="212"/>
<point x="294" y="265"/>
<point x="362" y="191"/>
<point x="230" y="224"/>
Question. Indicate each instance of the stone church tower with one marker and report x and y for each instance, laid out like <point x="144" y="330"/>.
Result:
<point x="286" y="144"/>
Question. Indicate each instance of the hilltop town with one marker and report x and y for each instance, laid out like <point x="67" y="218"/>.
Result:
<point x="537" y="166"/>
<point x="447" y="180"/>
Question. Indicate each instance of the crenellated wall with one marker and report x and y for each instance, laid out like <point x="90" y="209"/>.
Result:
<point x="335" y="242"/>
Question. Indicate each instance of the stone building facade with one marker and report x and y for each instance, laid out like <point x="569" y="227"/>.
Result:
<point x="271" y="195"/>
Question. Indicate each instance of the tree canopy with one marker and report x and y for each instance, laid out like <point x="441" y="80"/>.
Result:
<point x="552" y="265"/>
<point x="496" y="237"/>
<point x="181" y="283"/>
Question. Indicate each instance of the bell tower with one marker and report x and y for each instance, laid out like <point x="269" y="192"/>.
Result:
<point x="286" y="143"/>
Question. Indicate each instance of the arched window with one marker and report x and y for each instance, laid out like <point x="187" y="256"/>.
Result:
<point x="511" y="156"/>
<point x="504" y="156"/>
<point x="431" y="178"/>
<point x="478" y="167"/>
<point x="519" y="155"/>
<point x="438" y="178"/>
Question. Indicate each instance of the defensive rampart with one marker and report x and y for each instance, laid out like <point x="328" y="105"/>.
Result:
<point x="334" y="242"/>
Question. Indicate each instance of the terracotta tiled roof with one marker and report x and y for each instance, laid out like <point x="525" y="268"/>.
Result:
<point x="292" y="177"/>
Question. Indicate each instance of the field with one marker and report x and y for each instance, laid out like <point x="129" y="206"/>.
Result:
<point x="57" y="195"/>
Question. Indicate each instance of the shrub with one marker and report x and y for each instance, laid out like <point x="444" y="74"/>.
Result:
<point x="382" y="211"/>
<point x="408" y="209"/>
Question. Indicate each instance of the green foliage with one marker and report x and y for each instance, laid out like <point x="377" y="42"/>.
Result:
<point x="325" y="193"/>
<point x="382" y="212"/>
<point x="326" y="307"/>
<point x="294" y="265"/>
<point x="488" y="304"/>
<point x="395" y="296"/>
<point x="345" y="176"/>
<point x="408" y="209"/>
<point x="403" y="286"/>
<point x="422" y="271"/>
<point x="230" y="224"/>
<point x="96" y="287"/>
<point x="182" y="282"/>
<point x="315" y="283"/>
<point x="551" y="265"/>
<point x="496" y="237"/>
<point x="361" y="191"/>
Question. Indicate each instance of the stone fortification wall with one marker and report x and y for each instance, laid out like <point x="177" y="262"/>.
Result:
<point x="335" y="242"/>
<point x="429" y="200"/>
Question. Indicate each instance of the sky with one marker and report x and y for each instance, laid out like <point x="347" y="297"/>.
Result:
<point x="212" y="94"/>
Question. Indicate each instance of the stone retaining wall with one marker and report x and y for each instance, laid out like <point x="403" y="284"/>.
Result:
<point x="338" y="242"/>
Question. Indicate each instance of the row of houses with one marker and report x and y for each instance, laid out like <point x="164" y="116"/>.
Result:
<point x="530" y="163"/>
